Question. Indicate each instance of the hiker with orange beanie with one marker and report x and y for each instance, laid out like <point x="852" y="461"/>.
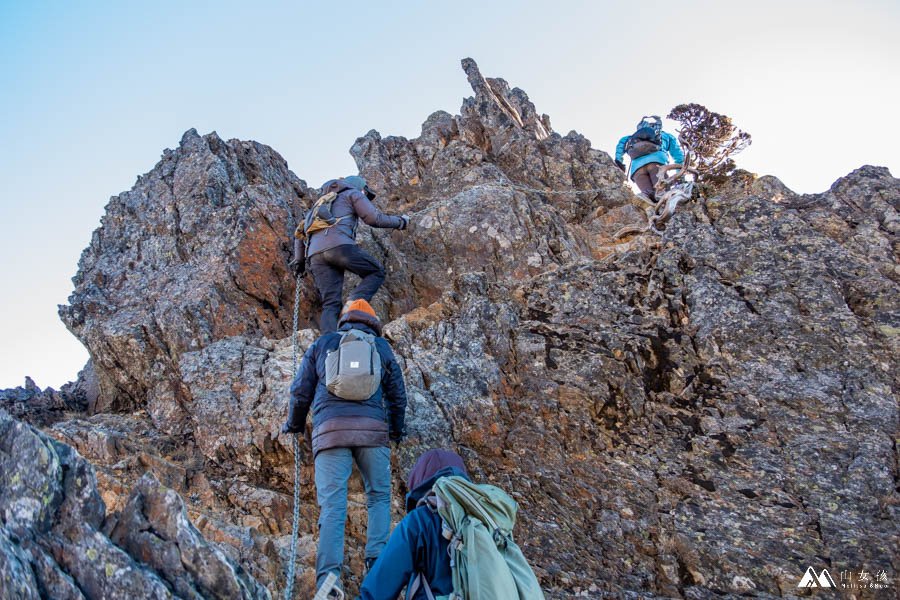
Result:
<point x="351" y="381"/>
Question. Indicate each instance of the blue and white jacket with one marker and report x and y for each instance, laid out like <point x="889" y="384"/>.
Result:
<point x="669" y="147"/>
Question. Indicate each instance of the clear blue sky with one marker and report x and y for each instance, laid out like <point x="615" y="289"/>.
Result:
<point x="92" y="92"/>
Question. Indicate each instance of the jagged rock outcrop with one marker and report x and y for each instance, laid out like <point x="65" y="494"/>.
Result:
<point x="154" y="528"/>
<point x="705" y="413"/>
<point x="55" y="540"/>
<point x="45" y="407"/>
<point x="244" y="520"/>
<point x="195" y="252"/>
<point x="466" y="178"/>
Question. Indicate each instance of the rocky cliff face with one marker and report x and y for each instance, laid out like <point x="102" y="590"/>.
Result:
<point x="56" y="542"/>
<point x="700" y="414"/>
<point x="193" y="253"/>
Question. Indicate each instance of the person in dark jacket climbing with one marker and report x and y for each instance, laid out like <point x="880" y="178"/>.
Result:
<point x="333" y="251"/>
<point x="416" y="556"/>
<point x="348" y="431"/>
<point x="648" y="147"/>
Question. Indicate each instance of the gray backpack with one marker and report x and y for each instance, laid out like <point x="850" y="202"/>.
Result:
<point x="353" y="371"/>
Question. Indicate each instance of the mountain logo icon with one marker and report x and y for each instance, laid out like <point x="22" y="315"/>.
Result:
<point x="811" y="580"/>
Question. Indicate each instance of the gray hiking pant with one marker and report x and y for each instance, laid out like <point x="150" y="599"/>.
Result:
<point x="333" y="468"/>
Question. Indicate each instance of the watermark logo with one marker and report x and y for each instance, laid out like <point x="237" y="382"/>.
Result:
<point x="850" y="579"/>
<point x="865" y="580"/>
<point x="811" y="580"/>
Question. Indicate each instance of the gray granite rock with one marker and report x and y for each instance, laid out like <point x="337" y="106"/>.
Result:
<point x="52" y="540"/>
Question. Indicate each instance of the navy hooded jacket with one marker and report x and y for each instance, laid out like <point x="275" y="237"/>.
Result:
<point x="416" y="546"/>
<point x="308" y="390"/>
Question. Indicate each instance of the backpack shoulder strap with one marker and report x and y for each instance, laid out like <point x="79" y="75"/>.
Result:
<point x="417" y="583"/>
<point x="329" y="197"/>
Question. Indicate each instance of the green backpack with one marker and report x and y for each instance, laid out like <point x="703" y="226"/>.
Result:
<point x="485" y="561"/>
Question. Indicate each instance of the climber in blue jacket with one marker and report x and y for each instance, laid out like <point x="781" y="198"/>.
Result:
<point x="416" y="554"/>
<point x="648" y="148"/>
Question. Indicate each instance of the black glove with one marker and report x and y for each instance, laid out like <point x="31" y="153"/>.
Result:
<point x="286" y="428"/>
<point x="621" y="165"/>
<point x="298" y="262"/>
<point x="297" y="266"/>
<point x="404" y="222"/>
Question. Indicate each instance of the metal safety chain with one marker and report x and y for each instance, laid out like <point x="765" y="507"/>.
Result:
<point x="509" y="184"/>
<point x="289" y="590"/>
<point x="554" y="192"/>
<point x="672" y="190"/>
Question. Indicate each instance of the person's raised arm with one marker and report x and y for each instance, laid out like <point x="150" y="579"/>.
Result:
<point x="620" y="152"/>
<point x="675" y="149"/>
<point x="373" y="217"/>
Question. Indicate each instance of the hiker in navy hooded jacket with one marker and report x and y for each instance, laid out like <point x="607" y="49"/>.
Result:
<point x="416" y="556"/>
<point x="333" y="251"/>
<point x="348" y="431"/>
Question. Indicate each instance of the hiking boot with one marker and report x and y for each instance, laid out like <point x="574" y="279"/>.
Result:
<point x="330" y="588"/>
<point x="646" y="199"/>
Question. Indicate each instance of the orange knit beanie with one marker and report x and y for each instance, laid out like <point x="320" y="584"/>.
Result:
<point x="360" y="305"/>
